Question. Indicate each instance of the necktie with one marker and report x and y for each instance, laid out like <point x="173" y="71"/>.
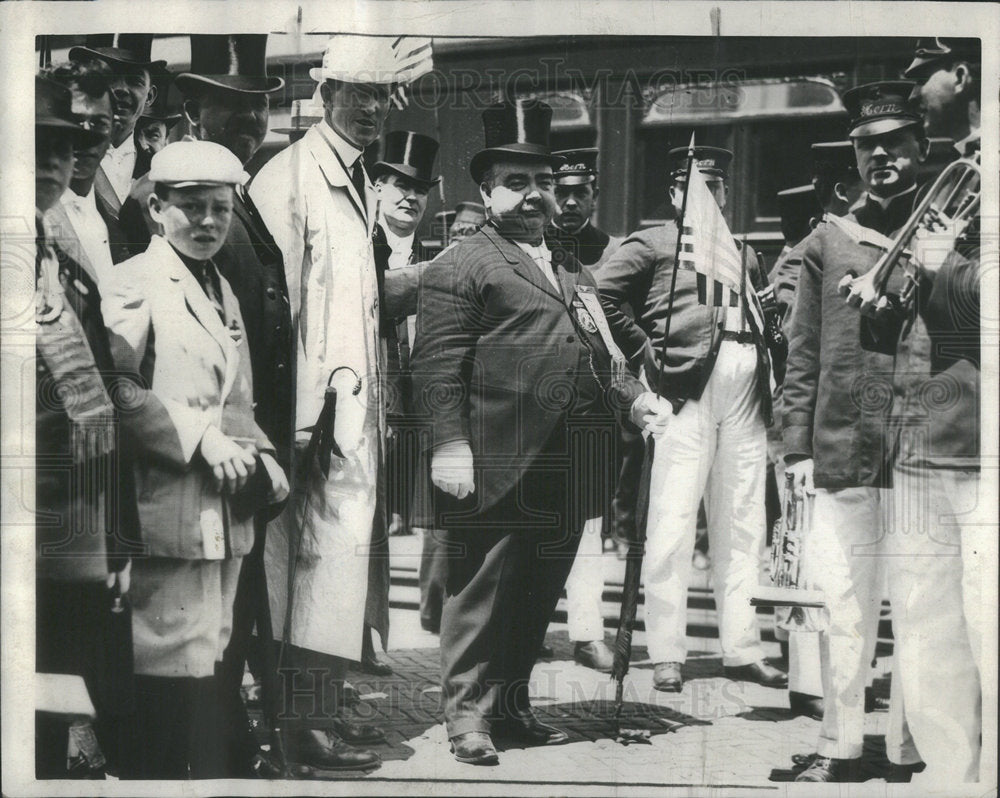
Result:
<point x="212" y="291"/>
<point x="358" y="179"/>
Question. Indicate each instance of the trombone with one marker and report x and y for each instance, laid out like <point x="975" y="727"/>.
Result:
<point x="950" y="205"/>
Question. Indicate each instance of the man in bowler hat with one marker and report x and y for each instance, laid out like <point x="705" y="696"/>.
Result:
<point x="513" y="362"/>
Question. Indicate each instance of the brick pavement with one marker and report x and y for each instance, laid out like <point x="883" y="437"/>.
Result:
<point x="730" y="735"/>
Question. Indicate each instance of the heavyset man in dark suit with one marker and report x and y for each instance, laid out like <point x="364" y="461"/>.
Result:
<point x="229" y="106"/>
<point x="717" y="374"/>
<point x="514" y="362"/>
<point x="940" y="540"/>
<point x="836" y="398"/>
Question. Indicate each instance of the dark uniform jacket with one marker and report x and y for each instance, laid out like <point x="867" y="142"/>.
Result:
<point x="502" y="359"/>
<point x="837" y="395"/>
<point x="639" y="273"/>
<point x="588" y="244"/>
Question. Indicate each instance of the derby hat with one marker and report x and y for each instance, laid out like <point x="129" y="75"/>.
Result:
<point x="515" y="128"/>
<point x="160" y="110"/>
<point x="409" y="155"/>
<point x="235" y="62"/>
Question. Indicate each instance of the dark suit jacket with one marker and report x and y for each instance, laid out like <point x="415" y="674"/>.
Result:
<point x="639" y="274"/>
<point x="502" y="360"/>
<point x="836" y="395"/>
<point x="253" y="265"/>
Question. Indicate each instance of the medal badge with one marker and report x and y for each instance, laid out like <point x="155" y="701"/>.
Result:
<point x="235" y="332"/>
<point x="585" y="319"/>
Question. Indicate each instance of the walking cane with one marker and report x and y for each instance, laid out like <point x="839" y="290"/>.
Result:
<point x="636" y="546"/>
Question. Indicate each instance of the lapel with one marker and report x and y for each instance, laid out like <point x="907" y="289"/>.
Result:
<point x="562" y="258"/>
<point x="335" y="172"/>
<point x="106" y="193"/>
<point x="64" y="234"/>
<point x="256" y="230"/>
<point x="523" y="265"/>
<point x="178" y="275"/>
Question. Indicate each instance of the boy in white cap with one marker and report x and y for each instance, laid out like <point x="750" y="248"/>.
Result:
<point x="203" y="464"/>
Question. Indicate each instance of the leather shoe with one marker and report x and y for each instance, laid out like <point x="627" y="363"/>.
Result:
<point x="474" y="748"/>
<point x="375" y="666"/>
<point x="825" y="769"/>
<point x="358" y="734"/>
<point x="809" y="706"/>
<point x="667" y="677"/>
<point x="323" y="750"/>
<point x="524" y="727"/>
<point x="759" y="672"/>
<point x="901" y="774"/>
<point x="594" y="654"/>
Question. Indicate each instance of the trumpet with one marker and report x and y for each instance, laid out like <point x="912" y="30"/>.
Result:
<point x="949" y="205"/>
<point x="795" y="604"/>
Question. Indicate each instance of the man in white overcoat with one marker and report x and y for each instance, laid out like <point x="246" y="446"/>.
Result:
<point x="320" y="205"/>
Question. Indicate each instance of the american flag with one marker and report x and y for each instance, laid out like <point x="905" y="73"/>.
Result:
<point x="709" y="248"/>
<point x="414" y="57"/>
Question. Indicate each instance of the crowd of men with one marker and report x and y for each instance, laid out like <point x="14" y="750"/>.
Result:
<point x="244" y="388"/>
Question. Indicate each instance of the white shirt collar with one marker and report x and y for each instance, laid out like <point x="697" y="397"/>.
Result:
<point x="963" y="145"/>
<point x="86" y="202"/>
<point x="397" y="243"/>
<point x="348" y="153"/>
<point x="122" y="151"/>
<point x="539" y="252"/>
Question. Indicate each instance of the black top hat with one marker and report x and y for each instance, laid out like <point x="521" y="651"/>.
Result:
<point x="712" y="161"/>
<point x="834" y="159"/>
<point x="514" y="128"/>
<point x="160" y="110"/>
<point x="235" y="62"/>
<point x="580" y="166"/>
<point x="797" y="206"/>
<point x="934" y="54"/>
<point x="53" y="104"/>
<point x="409" y="155"/>
<point x="128" y="51"/>
<point x="877" y="108"/>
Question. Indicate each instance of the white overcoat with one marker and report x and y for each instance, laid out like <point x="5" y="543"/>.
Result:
<point x="324" y="229"/>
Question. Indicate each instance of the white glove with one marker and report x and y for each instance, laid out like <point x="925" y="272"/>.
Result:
<point x="802" y="473"/>
<point x="451" y="469"/>
<point x="279" y="482"/>
<point x="651" y="413"/>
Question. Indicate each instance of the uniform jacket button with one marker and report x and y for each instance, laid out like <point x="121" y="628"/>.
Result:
<point x="570" y="339"/>
<point x="569" y="370"/>
<point x="271" y="293"/>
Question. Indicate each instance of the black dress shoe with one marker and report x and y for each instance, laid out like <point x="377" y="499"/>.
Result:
<point x="825" y="769"/>
<point x="358" y="734"/>
<point x="323" y="750"/>
<point x="594" y="654"/>
<point x="525" y="728"/>
<point x="759" y="672"/>
<point x="474" y="748"/>
<point x="809" y="706"/>
<point x="370" y="662"/>
<point x="667" y="677"/>
<point x="901" y="774"/>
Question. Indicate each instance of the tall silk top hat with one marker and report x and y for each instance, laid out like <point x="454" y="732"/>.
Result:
<point x="580" y="166"/>
<point x="234" y="62"/>
<point x="374" y="59"/>
<point x="120" y="51"/>
<point x="410" y="155"/>
<point x="515" y="128"/>
<point x="877" y="108"/>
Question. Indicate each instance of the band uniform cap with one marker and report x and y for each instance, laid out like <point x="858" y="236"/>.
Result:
<point x="53" y="110"/>
<point x="877" y="108"/>
<point x="832" y="158"/>
<point x="129" y="51"/>
<point x="797" y="205"/>
<point x="580" y="166"/>
<point x="362" y="59"/>
<point x="195" y="163"/>
<point x="160" y="109"/>
<point x="515" y="128"/>
<point x="235" y="62"/>
<point x="304" y="114"/>
<point x="935" y="53"/>
<point x="713" y="161"/>
<point x="409" y="155"/>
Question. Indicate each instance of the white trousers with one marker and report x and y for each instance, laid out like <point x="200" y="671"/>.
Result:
<point x="585" y="586"/>
<point x="939" y="555"/>
<point x="842" y="556"/>
<point x="716" y="447"/>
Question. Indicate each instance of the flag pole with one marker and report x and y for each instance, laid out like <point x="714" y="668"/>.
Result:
<point x="636" y="547"/>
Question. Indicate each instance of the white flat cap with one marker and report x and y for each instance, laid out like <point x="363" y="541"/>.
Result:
<point x="195" y="163"/>
<point x="374" y="59"/>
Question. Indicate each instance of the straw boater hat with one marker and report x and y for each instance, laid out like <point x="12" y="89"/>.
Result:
<point x="373" y="59"/>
